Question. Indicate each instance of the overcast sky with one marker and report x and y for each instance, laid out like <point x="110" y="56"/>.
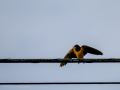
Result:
<point x="49" y="29"/>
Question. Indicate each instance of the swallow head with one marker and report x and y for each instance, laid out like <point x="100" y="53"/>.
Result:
<point x="77" y="47"/>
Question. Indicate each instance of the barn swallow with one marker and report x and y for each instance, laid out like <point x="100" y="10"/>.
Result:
<point x="80" y="52"/>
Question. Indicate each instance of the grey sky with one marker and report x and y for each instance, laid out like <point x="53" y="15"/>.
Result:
<point x="49" y="29"/>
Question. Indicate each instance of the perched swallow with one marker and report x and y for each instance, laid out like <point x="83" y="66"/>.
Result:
<point x="80" y="52"/>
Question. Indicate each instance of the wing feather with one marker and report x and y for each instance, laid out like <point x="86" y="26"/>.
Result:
<point x="91" y="50"/>
<point x="70" y="54"/>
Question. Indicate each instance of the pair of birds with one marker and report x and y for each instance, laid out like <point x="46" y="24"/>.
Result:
<point x="80" y="52"/>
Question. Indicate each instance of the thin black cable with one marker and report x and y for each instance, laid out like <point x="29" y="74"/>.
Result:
<point x="59" y="60"/>
<point x="45" y="83"/>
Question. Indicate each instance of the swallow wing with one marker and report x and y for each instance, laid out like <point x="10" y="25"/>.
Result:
<point x="70" y="54"/>
<point x="91" y="50"/>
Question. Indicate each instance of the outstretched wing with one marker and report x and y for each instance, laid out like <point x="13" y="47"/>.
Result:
<point x="91" y="50"/>
<point x="70" y="54"/>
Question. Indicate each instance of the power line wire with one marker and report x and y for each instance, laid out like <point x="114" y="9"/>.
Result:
<point x="42" y="83"/>
<point x="59" y="60"/>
